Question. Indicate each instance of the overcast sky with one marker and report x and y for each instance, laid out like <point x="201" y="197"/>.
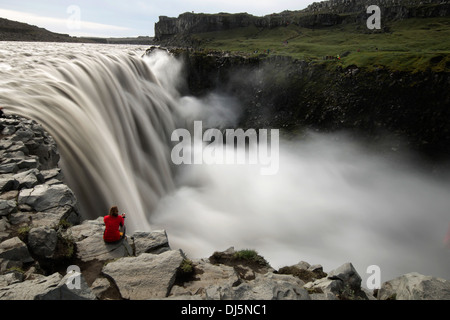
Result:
<point x="126" y="18"/>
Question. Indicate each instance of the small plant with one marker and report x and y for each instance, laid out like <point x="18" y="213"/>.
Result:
<point x="65" y="246"/>
<point x="187" y="266"/>
<point x="250" y="255"/>
<point x="23" y="232"/>
<point x="64" y="224"/>
<point x="15" y="269"/>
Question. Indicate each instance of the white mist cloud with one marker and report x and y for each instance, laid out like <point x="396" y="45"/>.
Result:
<point x="330" y="203"/>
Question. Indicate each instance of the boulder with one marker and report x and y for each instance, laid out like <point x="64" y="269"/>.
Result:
<point x="7" y="207"/>
<point x="53" y="217"/>
<point x="415" y="286"/>
<point x="343" y="282"/>
<point x="150" y="242"/>
<point x="207" y="275"/>
<point x="10" y="278"/>
<point x="72" y="286"/>
<point x="11" y="167"/>
<point x="86" y="229"/>
<point x="94" y="248"/>
<point x="8" y="183"/>
<point x="348" y="275"/>
<point x="148" y="276"/>
<point x="29" y="179"/>
<point x="42" y="241"/>
<point x="268" y="286"/>
<point x="15" y="250"/>
<point x="44" y="197"/>
<point x="30" y="290"/>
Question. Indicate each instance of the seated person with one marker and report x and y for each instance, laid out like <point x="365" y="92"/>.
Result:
<point x="113" y="222"/>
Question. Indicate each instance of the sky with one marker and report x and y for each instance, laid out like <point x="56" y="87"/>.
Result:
<point x="131" y="18"/>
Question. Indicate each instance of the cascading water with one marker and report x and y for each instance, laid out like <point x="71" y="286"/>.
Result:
<point x="112" y="122"/>
<point x="112" y="114"/>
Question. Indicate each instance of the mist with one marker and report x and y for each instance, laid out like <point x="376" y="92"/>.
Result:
<point x="335" y="199"/>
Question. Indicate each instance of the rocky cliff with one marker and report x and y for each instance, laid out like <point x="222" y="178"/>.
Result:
<point x="316" y="15"/>
<point x="47" y="251"/>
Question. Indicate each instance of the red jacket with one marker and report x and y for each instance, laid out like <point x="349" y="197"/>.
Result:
<point x="112" y="224"/>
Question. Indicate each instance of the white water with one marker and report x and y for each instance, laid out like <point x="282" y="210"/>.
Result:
<point x="331" y="202"/>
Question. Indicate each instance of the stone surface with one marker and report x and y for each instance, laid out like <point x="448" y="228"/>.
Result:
<point x="30" y="290"/>
<point x="42" y="241"/>
<point x="15" y="250"/>
<point x="148" y="276"/>
<point x="415" y="286"/>
<point x="45" y="197"/>
<point x="71" y="287"/>
<point x="150" y="242"/>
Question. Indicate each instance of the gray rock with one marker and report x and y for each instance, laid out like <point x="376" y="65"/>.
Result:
<point x="54" y="173"/>
<point x="150" y="242"/>
<point x="15" y="250"/>
<point x="265" y="287"/>
<point x="7" y="207"/>
<point x="9" y="168"/>
<point x="94" y="248"/>
<point x="28" y="164"/>
<point x="415" y="286"/>
<point x="100" y="286"/>
<point x="303" y="265"/>
<point x="23" y="134"/>
<point x="42" y="241"/>
<point x="9" y="195"/>
<point x="87" y="228"/>
<point x="326" y="285"/>
<point x="29" y="179"/>
<point x="10" y="278"/>
<point x="148" y="276"/>
<point x="4" y="224"/>
<point x="72" y="286"/>
<point x="53" y="217"/>
<point x="208" y="275"/>
<point x="44" y="197"/>
<point x="20" y="218"/>
<point x="8" y="183"/>
<point x="348" y="275"/>
<point x="30" y="290"/>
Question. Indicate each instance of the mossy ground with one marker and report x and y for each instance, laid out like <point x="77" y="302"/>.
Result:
<point x="412" y="45"/>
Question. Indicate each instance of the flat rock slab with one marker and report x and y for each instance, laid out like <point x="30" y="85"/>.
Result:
<point x="94" y="248"/>
<point x="30" y="290"/>
<point x="148" y="276"/>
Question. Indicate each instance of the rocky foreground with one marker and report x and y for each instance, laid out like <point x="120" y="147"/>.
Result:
<point x="42" y="237"/>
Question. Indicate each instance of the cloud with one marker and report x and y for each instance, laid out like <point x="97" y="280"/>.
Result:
<point x="72" y="25"/>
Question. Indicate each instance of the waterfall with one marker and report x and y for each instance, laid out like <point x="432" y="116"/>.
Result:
<point x="112" y="111"/>
<point x="111" y="119"/>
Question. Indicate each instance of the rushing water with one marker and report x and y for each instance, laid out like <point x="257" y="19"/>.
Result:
<point x="112" y="113"/>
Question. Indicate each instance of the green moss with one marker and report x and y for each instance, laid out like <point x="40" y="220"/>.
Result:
<point x="410" y="45"/>
<point x="186" y="266"/>
<point x="251" y="256"/>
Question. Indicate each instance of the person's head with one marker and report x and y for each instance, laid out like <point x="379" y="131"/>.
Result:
<point x="114" y="211"/>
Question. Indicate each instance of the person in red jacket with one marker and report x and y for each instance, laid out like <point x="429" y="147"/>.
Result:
<point x="113" y="223"/>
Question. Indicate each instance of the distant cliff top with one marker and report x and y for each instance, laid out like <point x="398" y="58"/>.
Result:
<point x="318" y="14"/>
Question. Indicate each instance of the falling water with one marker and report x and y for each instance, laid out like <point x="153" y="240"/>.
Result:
<point x="333" y="200"/>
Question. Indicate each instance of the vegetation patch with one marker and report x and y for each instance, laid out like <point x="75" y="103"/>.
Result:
<point x="247" y="258"/>
<point x="302" y="274"/>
